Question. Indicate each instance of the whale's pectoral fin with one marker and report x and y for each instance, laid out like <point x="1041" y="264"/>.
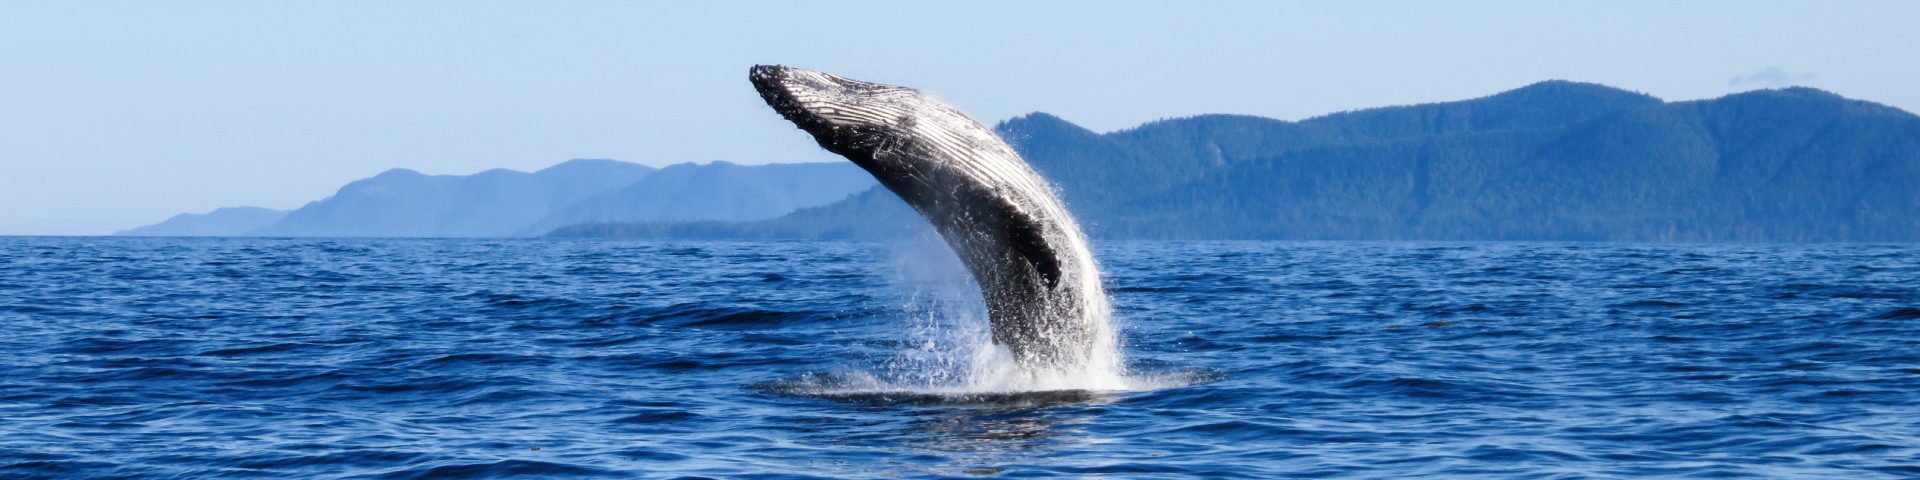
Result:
<point x="1027" y="238"/>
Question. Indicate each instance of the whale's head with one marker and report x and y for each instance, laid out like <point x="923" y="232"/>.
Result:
<point x="850" y="117"/>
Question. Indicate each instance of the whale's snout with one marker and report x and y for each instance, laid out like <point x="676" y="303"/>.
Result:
<point x="767" y="78"/>
<point x="764" y="71"/>
<point x="799" y="95"/>
<point x="780" y="82"/>
<point x="771" y="82"/>
<point x="817" y="100"/>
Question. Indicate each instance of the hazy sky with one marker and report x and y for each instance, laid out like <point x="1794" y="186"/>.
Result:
<point x="115" y="115"/>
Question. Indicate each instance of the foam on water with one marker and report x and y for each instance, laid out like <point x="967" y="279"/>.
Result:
<point x="949" y="348"/>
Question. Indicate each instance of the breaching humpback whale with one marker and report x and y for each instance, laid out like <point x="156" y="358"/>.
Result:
<point x="1043" y="295"/>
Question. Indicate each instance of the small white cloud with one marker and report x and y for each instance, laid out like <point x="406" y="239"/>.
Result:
<point x="1771" y="77"/>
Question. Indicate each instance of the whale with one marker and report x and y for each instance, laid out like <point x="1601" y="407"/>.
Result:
<point x="1041" y="286"/>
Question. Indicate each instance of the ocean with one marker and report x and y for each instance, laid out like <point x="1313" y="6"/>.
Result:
<point x="423" y="358"/>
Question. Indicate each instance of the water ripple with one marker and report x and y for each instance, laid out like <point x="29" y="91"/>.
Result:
<point x="441" y="358"/>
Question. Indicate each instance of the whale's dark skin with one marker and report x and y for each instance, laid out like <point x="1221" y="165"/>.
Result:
<point x="1031" y="261"/>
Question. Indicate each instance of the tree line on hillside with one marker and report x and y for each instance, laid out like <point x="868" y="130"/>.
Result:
<point x="1551" y="161"/>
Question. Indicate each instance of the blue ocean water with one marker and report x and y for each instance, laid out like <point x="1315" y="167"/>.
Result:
<point x="184" y="358"/>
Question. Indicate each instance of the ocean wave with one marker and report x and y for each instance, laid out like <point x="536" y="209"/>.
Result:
<point x="181" y="358"/>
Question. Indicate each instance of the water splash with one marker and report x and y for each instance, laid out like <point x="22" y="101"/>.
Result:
<point x="949" y="355"/>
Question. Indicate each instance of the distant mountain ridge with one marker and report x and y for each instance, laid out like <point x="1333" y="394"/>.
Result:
<point x="507" y="203"/>
<point x="221" y="222"/>
<point x="1555" y="160"/>
<point x="493" y="203"/>
<point x="717" y="191"/>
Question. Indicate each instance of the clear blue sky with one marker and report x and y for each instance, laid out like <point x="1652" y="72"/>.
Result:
<point x="120" y="114"/>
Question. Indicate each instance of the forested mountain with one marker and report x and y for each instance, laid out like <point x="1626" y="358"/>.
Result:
<point x="1786" y="165"/>
<point x="1553" y="160"/>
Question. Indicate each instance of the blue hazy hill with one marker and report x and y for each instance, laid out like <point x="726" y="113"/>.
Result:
<point x="872" y="214"/>
<point x="222" y="222"/>
<point x="506" y="203"/>
<point x="1554" y="160"/>
<point x="494" y="203"/>
<point x="716" y="191"/>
